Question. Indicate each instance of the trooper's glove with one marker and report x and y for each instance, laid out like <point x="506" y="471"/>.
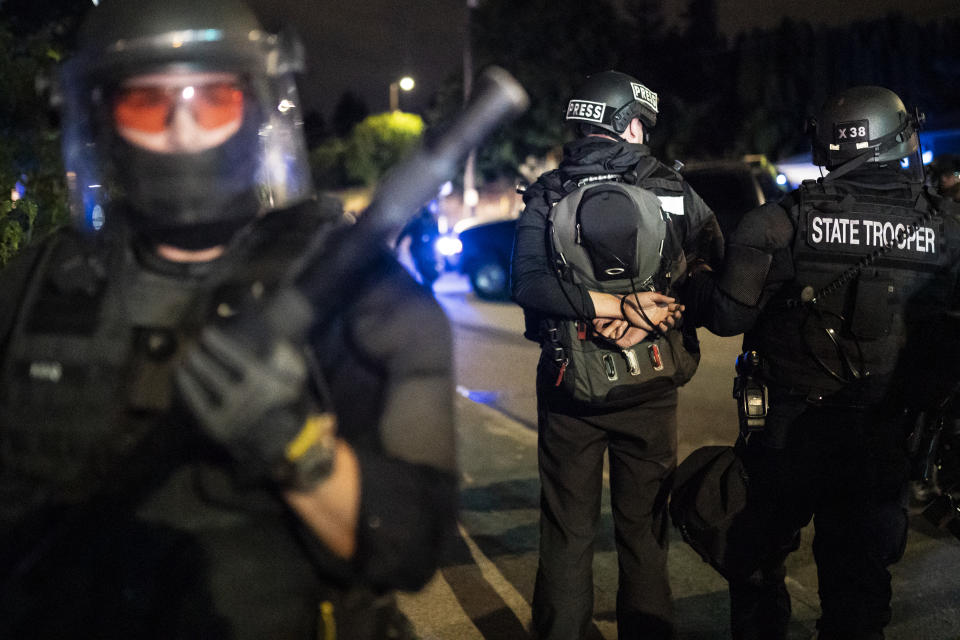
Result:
<point x="255" y="402"/>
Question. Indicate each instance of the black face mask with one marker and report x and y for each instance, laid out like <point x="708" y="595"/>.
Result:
<point x="191" y="200"/>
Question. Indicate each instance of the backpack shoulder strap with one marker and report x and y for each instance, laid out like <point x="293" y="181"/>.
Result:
<point x="650" y="173"/>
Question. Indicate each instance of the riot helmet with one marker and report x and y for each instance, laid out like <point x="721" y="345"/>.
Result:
<point x="863" y="124"/>
<point x="182" y="117"/>
<point x="610" y="100"/>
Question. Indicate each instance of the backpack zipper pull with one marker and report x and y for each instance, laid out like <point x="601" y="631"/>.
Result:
<point x="563" y="370"/>
<point x="654" y="352"/>
<point x="581" y="330"/>
<point x="633" y="363"/>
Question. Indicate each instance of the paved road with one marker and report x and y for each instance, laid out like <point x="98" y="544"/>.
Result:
<point x="484" y="588"/>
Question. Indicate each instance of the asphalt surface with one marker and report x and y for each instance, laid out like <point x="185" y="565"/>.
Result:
<point x="484" y="587"/>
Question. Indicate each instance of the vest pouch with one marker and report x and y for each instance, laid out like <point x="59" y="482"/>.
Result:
<point x="874" y="308"/>
<point x="603" y="376"/>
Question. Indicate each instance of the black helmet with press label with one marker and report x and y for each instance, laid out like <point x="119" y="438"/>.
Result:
<point x="610" y="100"/>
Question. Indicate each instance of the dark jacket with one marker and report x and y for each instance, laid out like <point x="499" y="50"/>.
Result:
<point x="535" y="286"/>
<point x="179" y="542"/>
<point x="888" y="314"/>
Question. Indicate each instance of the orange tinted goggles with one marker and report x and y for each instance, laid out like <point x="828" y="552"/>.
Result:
<point x="149" y="108"/>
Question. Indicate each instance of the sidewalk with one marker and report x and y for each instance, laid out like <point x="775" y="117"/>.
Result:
<point x="484" y="587"/>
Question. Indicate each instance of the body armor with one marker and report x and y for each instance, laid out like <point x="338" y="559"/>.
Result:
<point x="868" y="260"/>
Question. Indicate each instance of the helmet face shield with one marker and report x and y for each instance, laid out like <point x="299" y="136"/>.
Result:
<point x="912" y="166"/>
<point x="183" y="128"/>
<point x="152" y="108"/>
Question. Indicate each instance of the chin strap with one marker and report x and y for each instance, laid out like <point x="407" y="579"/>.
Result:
<point x="849" y="166"/>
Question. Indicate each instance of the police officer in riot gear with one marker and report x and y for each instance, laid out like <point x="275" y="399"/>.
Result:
<point x="614" y="114"/>
<point x="842" y="291"/>
<point x="172" y="464"/>
<point x="946" y="175"/>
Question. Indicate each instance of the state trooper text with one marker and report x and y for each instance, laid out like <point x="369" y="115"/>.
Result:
<point x="857" y="232"/>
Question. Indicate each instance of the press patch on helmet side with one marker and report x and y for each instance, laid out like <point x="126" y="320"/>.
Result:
<point x="645" y="96"/>
<point x="586" y="110"/>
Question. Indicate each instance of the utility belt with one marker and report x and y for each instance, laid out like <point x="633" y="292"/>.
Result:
<point x="588" y="369"/>
<point x="753" y="393"/>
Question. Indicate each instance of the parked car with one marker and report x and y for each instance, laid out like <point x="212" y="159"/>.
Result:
<point x="733" y="187"/>
<point x="729" y="187"/>
<point x="485" y="257"/>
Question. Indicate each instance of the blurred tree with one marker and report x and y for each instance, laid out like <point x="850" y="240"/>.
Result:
<point x="350" y="110"/>
<point x="314" y="128"/>
<point x="702" y="31"/>
<point x="784" y="75"/>
<point x="378" y="143"/>
<point x="549" y="46"/>
<point x="33" y="36"/>
<point x="648" y="46"/>
<point x="29" y="17"/>
<point x="699" y="80"/>
<point x="327" y="164"/>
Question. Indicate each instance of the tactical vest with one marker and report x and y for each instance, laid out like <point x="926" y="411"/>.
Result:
<point x="585" y="366"/>
<point x="85" y="389"/>
<point x="87" y="364"/>
<point x="869" y="262"/>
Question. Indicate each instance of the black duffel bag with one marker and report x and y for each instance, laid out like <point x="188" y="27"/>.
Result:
<point x="709" y="498"/>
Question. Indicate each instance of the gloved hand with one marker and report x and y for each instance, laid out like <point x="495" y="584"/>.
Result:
<point x="250" y="395"/>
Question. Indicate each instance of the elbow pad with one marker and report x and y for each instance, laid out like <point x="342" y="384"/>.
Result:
<point x="745" y="273"/>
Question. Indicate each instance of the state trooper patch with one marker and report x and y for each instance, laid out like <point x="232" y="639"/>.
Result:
<point x="586" y="110"/>
<point x="864" y="234"/>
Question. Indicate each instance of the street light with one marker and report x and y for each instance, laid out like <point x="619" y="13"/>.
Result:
<point x="470" y="195"/>
<point x="406" y="83"/>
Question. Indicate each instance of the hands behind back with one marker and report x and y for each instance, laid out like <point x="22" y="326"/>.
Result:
<point x="643" y="313"/>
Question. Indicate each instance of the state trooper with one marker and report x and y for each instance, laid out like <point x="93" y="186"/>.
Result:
<point x="843" y="291"/>
<point x="173" y="464"/>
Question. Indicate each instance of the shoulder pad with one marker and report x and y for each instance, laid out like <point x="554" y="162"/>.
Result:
<point x="767" y="227"/>
<point x="669" y="172"/>
<point x="661" y="177"/>
<point x="548" y="187"/>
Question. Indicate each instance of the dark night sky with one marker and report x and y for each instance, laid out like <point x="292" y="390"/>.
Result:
<point x="363" y="45"/>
